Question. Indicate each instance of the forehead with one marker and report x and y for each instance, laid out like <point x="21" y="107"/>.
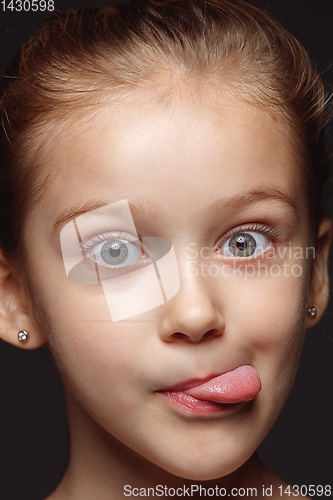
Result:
<point x="180" y="153"/>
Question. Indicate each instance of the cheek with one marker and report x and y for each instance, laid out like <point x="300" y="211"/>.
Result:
<point x="91" y="351"/>
<point x="271" y="314"/>
<point x="274" y="310"/>
<point x="96" y="357"/>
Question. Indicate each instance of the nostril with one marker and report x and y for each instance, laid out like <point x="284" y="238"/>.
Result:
<point x="206" y="336"/>
<point x="178" y="335"/>
<point x="212" y="333"/>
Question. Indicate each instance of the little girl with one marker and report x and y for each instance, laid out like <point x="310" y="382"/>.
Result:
<point x="161" y="231"/>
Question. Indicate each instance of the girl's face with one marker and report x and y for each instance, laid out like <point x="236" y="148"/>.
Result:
<point x="196" y="176"/>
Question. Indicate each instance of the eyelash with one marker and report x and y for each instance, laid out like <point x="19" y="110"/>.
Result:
<point x="270" y="231"/>
<point x="272" y="234"/>
<point x="99" y="238"/>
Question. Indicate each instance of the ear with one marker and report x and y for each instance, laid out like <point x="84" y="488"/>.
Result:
<point x="14" y="315"/>
<point x="320" y="278"/>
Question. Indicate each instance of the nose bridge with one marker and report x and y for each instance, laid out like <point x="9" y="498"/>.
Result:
<point x="193" y="314"/>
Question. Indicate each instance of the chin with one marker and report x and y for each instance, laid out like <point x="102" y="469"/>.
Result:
<point x="205" y="469"/>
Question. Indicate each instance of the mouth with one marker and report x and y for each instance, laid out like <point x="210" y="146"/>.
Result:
<point x="217" y="393"/>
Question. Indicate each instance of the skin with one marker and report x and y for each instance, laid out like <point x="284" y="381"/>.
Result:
<point x="184" y="156"/>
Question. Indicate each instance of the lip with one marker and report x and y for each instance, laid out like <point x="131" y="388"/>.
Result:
<point x="181" y="400"/>
<point x="215" y="393"/>
<point x="189" y="384"/>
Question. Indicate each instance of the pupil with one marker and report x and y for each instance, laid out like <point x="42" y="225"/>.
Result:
<point x="114" y="252"/>
<point x="241" y="243"/>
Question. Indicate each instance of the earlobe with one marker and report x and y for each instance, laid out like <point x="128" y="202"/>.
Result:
<point x="14" y="315"/>
<point x="320" y="278"/>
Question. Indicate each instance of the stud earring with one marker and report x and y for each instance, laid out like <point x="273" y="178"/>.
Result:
<point x="22" y="336"/>
<point x="312" y="312"/>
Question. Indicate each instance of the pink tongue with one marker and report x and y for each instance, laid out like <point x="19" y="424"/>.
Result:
<point x="241" y="384"/>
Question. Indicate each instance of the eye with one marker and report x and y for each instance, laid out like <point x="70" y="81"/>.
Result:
<point x="116" y="252"/>
<point x="245" y="244"/>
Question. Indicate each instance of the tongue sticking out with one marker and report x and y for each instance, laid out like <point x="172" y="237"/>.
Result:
<point x="241" y="384"/>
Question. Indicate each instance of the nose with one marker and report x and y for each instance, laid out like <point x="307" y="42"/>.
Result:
<point x="191" y="316"/>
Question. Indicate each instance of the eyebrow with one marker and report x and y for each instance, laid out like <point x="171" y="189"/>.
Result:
<point x="142" y="210"/>
<point x="138" y="209"/>
<point x="243" y="200"/>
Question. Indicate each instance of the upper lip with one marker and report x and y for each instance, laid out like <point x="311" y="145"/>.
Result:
<point x="194" y="382"/>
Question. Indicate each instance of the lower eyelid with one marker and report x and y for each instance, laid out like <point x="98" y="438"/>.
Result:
<point x="253" y="256"/>
<point x="140" y="261"/>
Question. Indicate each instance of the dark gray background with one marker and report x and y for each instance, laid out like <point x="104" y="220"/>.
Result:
<point x="33" y="426"/>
